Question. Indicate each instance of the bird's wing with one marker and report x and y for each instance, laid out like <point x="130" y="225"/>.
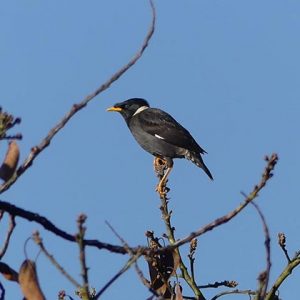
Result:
<point x="160" y="124"/>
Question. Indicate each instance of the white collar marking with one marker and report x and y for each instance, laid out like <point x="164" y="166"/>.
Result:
<point x="158" y="136"/>
<point x="140" y="110"/>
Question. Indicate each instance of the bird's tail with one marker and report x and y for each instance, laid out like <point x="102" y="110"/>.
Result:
<point x="198" y="161"/>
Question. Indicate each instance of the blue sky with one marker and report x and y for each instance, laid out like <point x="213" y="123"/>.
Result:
<point x="227" y="70"/>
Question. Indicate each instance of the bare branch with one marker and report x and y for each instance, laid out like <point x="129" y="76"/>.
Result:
<point x="237" y="292"/>
<point x="2" y="297"/>
<point x="271" y="162"/>
<point x="80" y="241"/>
<point x="166" y="215"/>
<point x="135" y="255"/>
<point x="12" y="225"/>
<point x="48" y="225"/>
<point x="282" y="277"/>
<point x="39" y="242"/>
<point x="281" y="242"/>
<point x="264" y="276"/>
<point x="126" y="267"/>
<point x="35" y="151"/>
<point x="227" y="283"/>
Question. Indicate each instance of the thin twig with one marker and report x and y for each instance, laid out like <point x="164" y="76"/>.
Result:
<point x="2" y="297"/>
<point x="12" y="225"/>
<point x="271" y="162"/>
<point x="35" y="151"/>
<point x="282" y="277"/>
<point x="80" y="241"/>
<point x="193" y="247"/>
<point x="134" y="257"/>
<point x="237" y="292"/>
<point x="39" y="242"/>
<point x="264" y="276"/>
<point x="217" y="284"/>
<point x="166" y="214"/>
<point x="48" y="225"/>
<point x="281" y="242"/>
<point x="126" y="267"/>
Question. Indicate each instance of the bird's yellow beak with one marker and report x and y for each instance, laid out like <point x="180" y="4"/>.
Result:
<point x="114" y="109"/>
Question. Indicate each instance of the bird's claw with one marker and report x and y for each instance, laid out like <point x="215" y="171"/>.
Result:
<point x="160" y="165"/>
<point x="162" y="189"/>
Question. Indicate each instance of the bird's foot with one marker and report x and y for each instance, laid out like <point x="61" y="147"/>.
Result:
<point x="162" y="189"/>
<point x="160" y="166"/>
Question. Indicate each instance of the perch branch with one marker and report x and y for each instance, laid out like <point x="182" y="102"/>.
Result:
<point x="166" y="215"/>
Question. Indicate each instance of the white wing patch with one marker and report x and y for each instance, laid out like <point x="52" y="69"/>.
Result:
<point x="159" y="137"/>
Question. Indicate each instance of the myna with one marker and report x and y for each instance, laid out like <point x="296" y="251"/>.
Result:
<point x="160" y="134"/>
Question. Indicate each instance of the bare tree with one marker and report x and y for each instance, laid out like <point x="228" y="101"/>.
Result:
<point x="165" y="260"/>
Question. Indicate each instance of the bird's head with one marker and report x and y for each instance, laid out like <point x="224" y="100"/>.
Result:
<point x="130" y="107"/>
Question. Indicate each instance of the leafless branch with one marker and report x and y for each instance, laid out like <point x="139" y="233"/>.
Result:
<point x="295" y="262"/>
<point x="39" y="242"/>
<point x="264" y="276"/>
<point x="2" y="297"/>
<point x="48" y="225"/>
<point x="126" y="267"/>
<point x="36" y="150"/>
<point x="80" y="241"/>
<point x="237" y="292"/>
<point x="281" y="242"/>
<point x="166" y="215"/>
<point x="134" y="256"/>
<point x="217" y="284"/>
<point x="12" y="225"/>
<point x="271" y="163"/>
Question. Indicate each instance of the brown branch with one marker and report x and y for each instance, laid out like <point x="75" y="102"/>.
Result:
<point x="191" y="256"/>
<point x="84" y="270"/>
<point x="35" y="151"/>
<point x="244" y="292"/>
<point x="265" y="275"/>
<point x="166" y="215"/>
<point x="271" y="163"/>
<point x="39" y="242"/>
<point x="12" y="225"/>
<point x="126" y="267"/>
<point x="48" y="225"/>
<point x="227" y="283"/>
<point x="281" y="242"/>
<point x="134" y="257"/>
<point x="283" y="276"/>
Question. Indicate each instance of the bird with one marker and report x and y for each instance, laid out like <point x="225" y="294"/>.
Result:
<point x="161" y="135"/>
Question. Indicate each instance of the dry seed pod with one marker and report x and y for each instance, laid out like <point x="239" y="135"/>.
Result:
<point x="8" y="272"/>
<point x="161" y="268"/>
<point x="10" y="162"/>
<point x="29" y="281"/>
